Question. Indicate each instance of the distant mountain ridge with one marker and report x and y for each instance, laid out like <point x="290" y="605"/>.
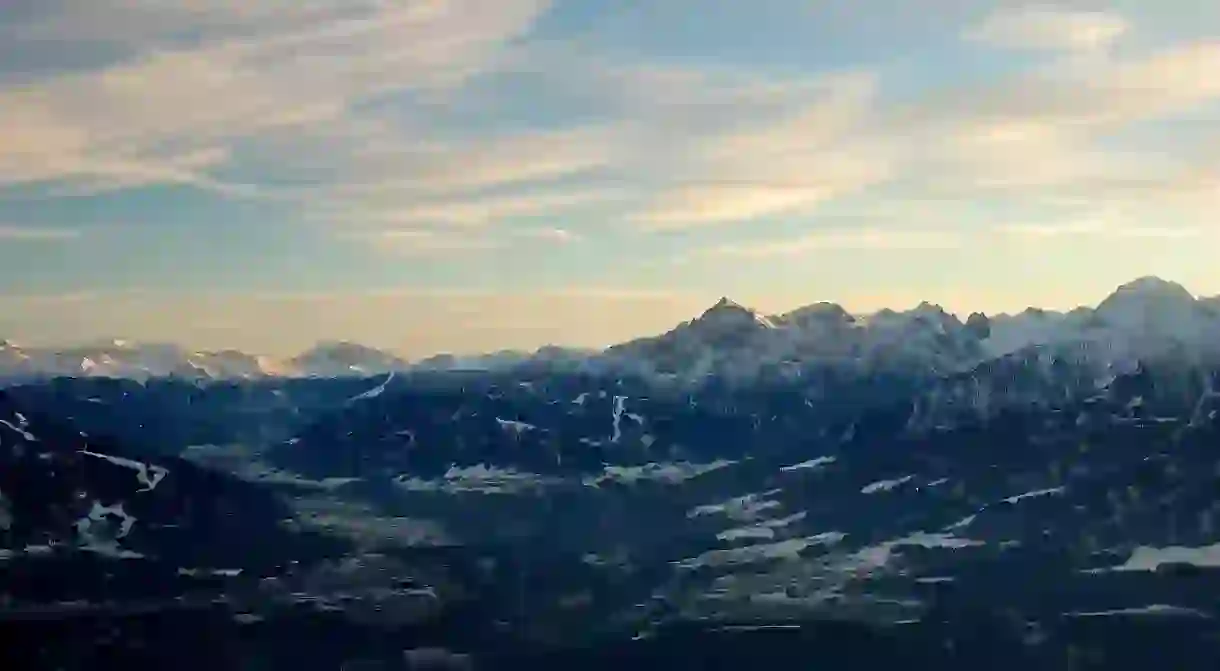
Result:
<point x="1148" y="316"/>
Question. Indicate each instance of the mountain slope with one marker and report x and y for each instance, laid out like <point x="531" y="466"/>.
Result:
<point x="739" y="509"/>
<point x="1104" y="500"/>
<point x="136" y="561"/>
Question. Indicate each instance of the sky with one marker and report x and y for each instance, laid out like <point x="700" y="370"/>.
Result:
<point x="470" y="175"/>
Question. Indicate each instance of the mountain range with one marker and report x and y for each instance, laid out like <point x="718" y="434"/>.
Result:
<point x="1039" y="490"/>
<point x="1145" y="317"/>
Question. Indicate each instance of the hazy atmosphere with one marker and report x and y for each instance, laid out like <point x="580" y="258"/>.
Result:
<point x="471" y="175"/>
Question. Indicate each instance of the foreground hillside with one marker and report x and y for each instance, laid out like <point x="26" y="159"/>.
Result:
<point x="545" y="511"/>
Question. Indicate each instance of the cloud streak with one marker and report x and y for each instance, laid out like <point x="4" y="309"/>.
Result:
<point x="394" y="204"/>
<point x="423" y="243"/>
<point x="175" y="110"/>
<point x="1049" y="28"/>
<point x="547" y="234"/>
<point x="10" y="233"/>
<point x="861" y="239"/>
<point x="1103" y="226"/>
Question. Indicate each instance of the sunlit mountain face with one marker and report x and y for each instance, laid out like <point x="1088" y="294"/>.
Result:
<point x="1023" y="491"/>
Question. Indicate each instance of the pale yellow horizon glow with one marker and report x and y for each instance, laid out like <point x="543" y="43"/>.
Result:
<point x="417" y="324"/>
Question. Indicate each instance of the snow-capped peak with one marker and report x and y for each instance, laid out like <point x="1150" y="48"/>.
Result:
<point x="823" y="314"/>
<point x="1134" y="302"/>
<point x="1147" y="317"/>
<point x="928" y="309"/>
<point x="730" y="312"/>
<point x="921" y="316"/>
<point x="1151" y="287"/>
<point x="1152" y="306"/>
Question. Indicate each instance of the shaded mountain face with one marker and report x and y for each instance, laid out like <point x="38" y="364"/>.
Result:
<point x="571" y="512"/>
<point x="70" y="497"/>
<point x="979" y="325"/>
<point x="108" y="556"/>
<point x="164" y="416"/>
<point x="753" y="503"/>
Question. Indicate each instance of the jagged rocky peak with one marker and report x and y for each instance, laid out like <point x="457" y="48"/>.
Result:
<point x="727" y="311"/>
<point x="339" y="346"/>
<point x="822" y="313"/>
<point x="1149" y="289"/>
<point x="933" y="315"/>
<point x="442" y="361"/>
<point x="341" y="358"/>
<point x="924" y="312"/>
<point x="559" y="352"/>
<point x="979" y="325"/>
<point x="1078" y="313"/>
<point x="1148" y="299"/>
<point x="343" y="350"/>
<point x="725" y="304"/>
<point x="1034" y="313"/>
<point x="926" y="308"/>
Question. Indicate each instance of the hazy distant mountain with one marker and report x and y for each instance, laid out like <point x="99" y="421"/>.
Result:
<point x="1143" y="318"/>
<point x="343" y="359"/>
<point x="132" y="360"/>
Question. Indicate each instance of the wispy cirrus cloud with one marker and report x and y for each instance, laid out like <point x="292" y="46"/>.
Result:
<point x="442" y="243"/>
<point x="1106" y="223"/>
<point x="205" y="79"/>
<point x="383" y="205"/>
<point x="13" y="233"/>
<point x="859" y="239"/>
<point x="550" y="234"/>
<point x="1044" y="133"/>
<point x="289" y="101"/>
<point x="425" y="242"/>
<point x="783" y="161"/>
<point x="697" y="205"/>
<point x="1049" y="28"/>
<point x="1061" y="134"/>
